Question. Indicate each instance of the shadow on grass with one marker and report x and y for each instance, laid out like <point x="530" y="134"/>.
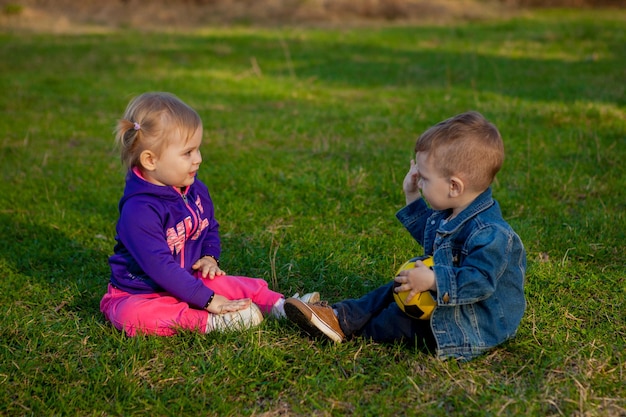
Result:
<point x="423" y="58"/>
<point x="43" y="265"/>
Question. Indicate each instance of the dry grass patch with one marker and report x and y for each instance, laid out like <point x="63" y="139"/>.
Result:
<point x="72" y="15"/>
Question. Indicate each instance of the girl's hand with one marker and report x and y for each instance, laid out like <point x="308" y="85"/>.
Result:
<point x="208" y="267"/>
<point x="416" y="280"/>
<point x="410" y="183"/>
<point x="221" y="304"/>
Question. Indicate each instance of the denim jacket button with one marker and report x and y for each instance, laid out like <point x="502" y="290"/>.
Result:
<point x="446" y="298"/>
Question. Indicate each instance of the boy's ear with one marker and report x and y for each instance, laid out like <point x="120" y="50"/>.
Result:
<point x="148" y="160"/>
<point x="457" y="187"/>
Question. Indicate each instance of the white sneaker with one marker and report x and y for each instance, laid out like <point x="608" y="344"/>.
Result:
<point x="311" y="297"/>
<point x="237" y="320"/>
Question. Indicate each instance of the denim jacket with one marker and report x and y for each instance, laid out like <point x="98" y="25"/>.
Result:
<point x="479" y="265"/>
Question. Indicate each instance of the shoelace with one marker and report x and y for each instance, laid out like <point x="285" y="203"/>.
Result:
<point x="320" y="304"/>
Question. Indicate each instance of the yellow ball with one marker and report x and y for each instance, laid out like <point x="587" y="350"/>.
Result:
<point x="421" y="305"/>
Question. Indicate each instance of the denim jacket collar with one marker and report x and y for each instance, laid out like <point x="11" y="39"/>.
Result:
<point x="480" y="204"/>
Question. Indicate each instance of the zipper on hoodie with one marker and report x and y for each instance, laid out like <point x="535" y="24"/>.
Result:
<point x="194" y="215"/>
<point x="188" y="233"/>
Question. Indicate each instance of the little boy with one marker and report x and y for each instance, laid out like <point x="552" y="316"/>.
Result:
<point x="479" y="261"/>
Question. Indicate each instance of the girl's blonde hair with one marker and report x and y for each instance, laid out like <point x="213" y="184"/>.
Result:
<point x="149" y="123"/>
<point x="466" y="145"/>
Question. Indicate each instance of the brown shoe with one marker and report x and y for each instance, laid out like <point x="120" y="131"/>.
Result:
<point x="316" y="319"/>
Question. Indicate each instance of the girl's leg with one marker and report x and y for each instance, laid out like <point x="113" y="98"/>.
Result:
<point x="236" y="287"/>
<point x="158" y="314"/>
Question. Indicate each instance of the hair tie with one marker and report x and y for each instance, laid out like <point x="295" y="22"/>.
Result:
<point x="136" y="126"/>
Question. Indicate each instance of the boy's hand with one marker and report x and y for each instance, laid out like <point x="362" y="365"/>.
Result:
<point x="207" y="266"/>
<point x="410" y="183"/>
<point x="416" y="280"/>
<point x="221" y="304"/>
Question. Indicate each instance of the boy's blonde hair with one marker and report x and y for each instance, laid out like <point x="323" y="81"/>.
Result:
<point x="467" y="146"/>
<point x="149" y="122"/>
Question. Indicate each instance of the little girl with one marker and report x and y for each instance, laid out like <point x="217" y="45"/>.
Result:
<point x="165" y="272"/>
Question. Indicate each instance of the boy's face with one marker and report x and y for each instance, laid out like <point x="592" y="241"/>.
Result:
<point x="435" y="188"/>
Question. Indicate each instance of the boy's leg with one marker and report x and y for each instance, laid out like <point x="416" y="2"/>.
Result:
<point x="392" y="325"/>
<point x="354" y="315"/>
<point x="319" y="319"/>
<point x="376" y="316"/>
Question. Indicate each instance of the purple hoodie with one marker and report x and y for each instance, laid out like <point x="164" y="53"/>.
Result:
<point x="161" y="233"/>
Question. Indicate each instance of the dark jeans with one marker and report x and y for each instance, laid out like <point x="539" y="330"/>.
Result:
<point x="376" y="316"/>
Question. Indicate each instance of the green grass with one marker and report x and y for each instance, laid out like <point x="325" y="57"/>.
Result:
<point x="308" y="134"/>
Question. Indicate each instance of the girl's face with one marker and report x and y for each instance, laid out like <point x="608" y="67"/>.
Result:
<point x="178" y="163"/>
<point x="435" y="188"/>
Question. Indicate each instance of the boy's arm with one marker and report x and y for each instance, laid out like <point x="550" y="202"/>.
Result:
<point x="483" y="260"/>
<point x="413" y="217"/>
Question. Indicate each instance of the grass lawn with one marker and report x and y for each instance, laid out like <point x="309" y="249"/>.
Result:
<point x="308" y="135"/>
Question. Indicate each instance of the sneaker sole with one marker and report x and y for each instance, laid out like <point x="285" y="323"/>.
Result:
<point x="311" y="322"/>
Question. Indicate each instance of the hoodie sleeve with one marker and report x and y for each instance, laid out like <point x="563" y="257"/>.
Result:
<point x="141" y="230"/>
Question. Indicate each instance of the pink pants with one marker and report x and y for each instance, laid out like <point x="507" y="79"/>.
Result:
<point x="161" y="314"/>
